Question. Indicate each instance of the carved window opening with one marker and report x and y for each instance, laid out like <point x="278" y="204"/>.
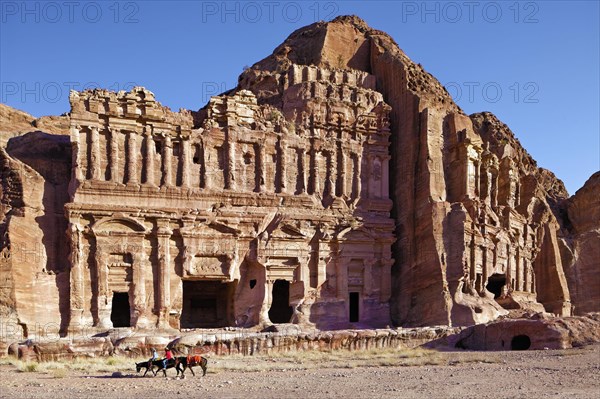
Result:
<point x="158" y="147"/>
<point x="197" y="157"/>
<point x="354" y="307"/>
<point x="206" y="304"/>
<point x="176" y="148"/>
<point x="495" y="284"/>
<point x="520" y="343"/>
<point x="252" y="283"/>
<point x="247" y="158"/>
<point x="120" y="313"/>
<point x="281" y="311"/>
<point x="221" y="157"/>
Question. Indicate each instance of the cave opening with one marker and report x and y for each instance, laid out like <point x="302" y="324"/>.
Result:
<point x="495" y="283"/>
<point x="520" y="343"/>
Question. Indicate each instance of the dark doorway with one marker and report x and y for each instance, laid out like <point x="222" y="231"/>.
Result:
<point x="495" y="283"/>
<point x="119" y="314"/>
<point x="281" y="311"/>
<point x="354" y="298"/>
<point x="520" y="343"/>
<point x="206" y="304"/>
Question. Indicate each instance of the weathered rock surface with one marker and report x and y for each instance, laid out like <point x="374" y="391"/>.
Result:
<point x="472" y="212"/>
<point x="522" y="334"/>
<point x="14" y="123"/>
<point x="581" y="249"/>
<point x="338" y="186"/>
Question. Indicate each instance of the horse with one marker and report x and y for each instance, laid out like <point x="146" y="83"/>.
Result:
<point x="159" y="364"/>
<point x="147" y="365"/>
<point x="189" y="362"/>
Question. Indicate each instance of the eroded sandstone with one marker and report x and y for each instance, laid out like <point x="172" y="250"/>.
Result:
<point x="337" y="186"/>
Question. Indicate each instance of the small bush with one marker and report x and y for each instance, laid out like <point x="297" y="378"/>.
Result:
<point x="59" y="373"/>
<point x="112" y="361"/>
<point x="29" y="367"/>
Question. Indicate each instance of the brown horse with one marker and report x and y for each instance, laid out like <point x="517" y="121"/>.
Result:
<point x="189" y="362"/>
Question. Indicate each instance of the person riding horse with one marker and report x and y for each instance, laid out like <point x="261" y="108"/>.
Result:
<point x="168" y="356"/>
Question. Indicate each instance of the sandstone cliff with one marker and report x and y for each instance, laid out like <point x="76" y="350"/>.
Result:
<point x="480" y="229"/>
<point x="472" y="209"/>
<point x="581" y="245"/>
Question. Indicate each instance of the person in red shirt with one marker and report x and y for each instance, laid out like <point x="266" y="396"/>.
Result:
<point x="168" y="356"/>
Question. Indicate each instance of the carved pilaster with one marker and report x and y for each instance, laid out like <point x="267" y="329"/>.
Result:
<point x="149" y="164"/>
<point x="341" y="271"/>
<point x="102" y="299"/>
<point x="167" y="159"/>
<point x="139" y="288"/>
<point x="114" y="155"/>
<point x="185" y="162"/>
<point x="369" y="263"/>
<point x="386" y="281"/>
<point x="206" y="171"/>
<point x="230" y="175"/>
<point x="77" y="298"/>
<point x="95" y="153"/>
<point x="164" y="278"/>
<point x="132" y="151"/>
<point x="331" y="167"/>
<point x="316" y="187"/>
<point x="76" y="153"/>
<point x="340" y="188"/>
<point x="385" y="172"/>
<point x="283" y="167"/>
<point x="302" y="170"/>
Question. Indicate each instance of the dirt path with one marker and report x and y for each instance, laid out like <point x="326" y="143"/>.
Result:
<point x="571" y="373"/>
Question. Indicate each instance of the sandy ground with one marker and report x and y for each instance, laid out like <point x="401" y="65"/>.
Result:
<point x="573" y="373"/>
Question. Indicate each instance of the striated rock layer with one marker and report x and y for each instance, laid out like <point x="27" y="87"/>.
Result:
<point x="338" y="186"/>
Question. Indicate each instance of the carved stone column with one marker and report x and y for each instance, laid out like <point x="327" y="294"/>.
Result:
<point x="76" y="153"/>
<point x="149" y="164"/>
<point x="331" y="167"/>
<point x="114" y="155"/>
<point x="283" y="168"/>
<point x="316" y="187"/>
<point x="230" y="175"/>
<point x="95" y="153"/>
<point x="164" y="277"/>
<point x="102" y="299"/>
<point x="385" y="173"/>
<point x="185" y="162"/>
<point x="167" y="158"/>
<point x="386" y="279"/>
<point x="267" y="301"/>
<point x="77" y="298"/>
<point x="367" y="275"/>
<point x="132" y="151"/>
<point x="358" y="176"/>
<point x="139" y="287"/>
<point x="341" y="271"/>
<point x="207" y="170"/>
<point x="302" y="171"/>
<point x="262" y="166"/>
<point x="340" y="186"/>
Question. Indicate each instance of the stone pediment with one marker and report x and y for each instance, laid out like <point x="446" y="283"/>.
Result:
<point x="356" y="234"/>
<point x="118" y="224"/>
<point x="290" y="231"/>
<point x="210" y="229"/>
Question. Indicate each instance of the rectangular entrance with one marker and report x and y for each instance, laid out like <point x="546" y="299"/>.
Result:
<point x="354" y="299"/>
<point x="206" y="304"/>
<point x="119" y="314"/>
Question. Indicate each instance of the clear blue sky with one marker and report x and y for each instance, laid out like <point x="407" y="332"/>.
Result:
<point x="535" y="64"/>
